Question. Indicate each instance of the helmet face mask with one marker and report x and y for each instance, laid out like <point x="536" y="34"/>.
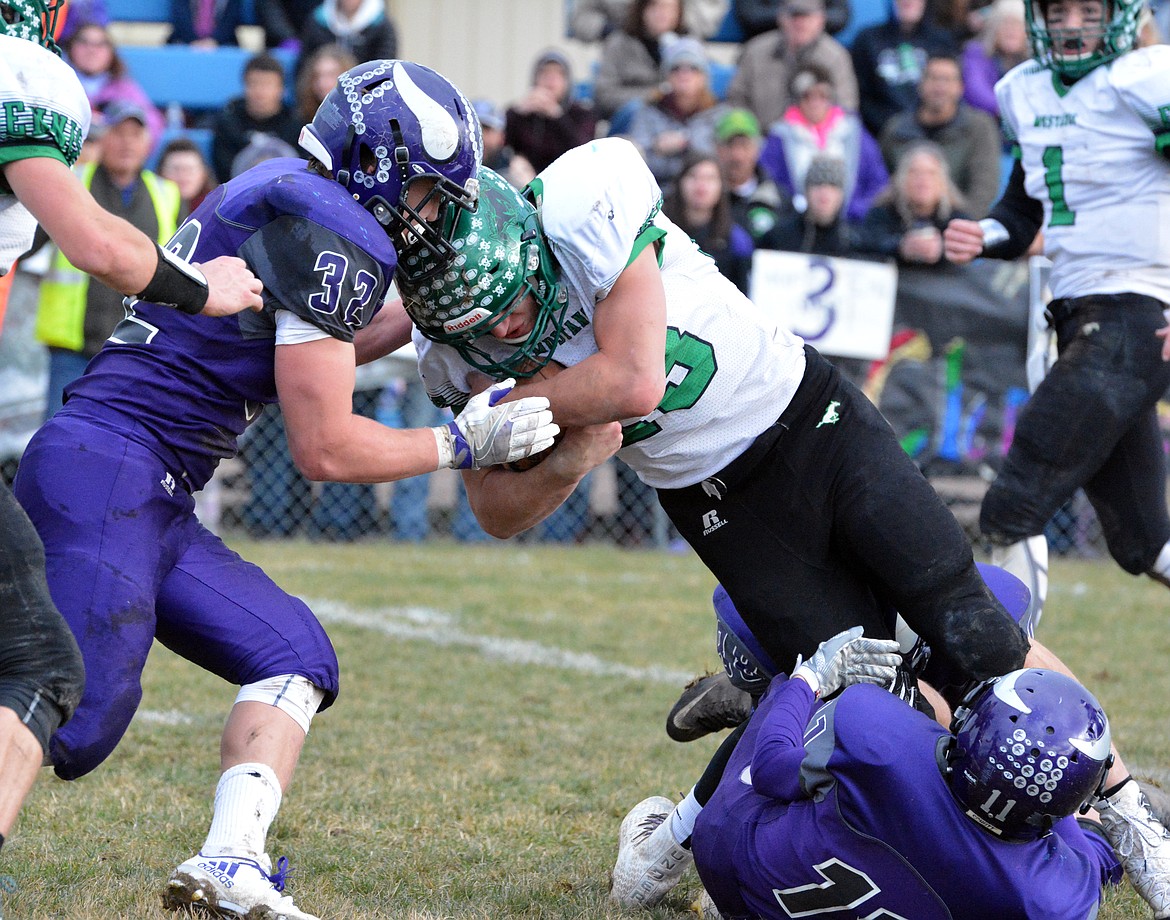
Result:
<point x="390" y="126"/>
<point x="502" y="265"/>
<point x="1026" y="750"/>
<point x="1072" y="53"/>
<point x="32" y="20"/>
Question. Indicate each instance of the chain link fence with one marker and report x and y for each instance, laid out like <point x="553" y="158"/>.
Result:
<point x="260" y="493"/>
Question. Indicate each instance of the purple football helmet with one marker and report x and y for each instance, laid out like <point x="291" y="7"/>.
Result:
<point x="387" y="125"/>
<point x="748" y="666"/>
<point x="1027" y="749"/>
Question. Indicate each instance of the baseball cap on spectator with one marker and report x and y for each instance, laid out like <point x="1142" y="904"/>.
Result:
<point x="119" y="111"/>
<point x="825" y="170"/>
<point x="802" y="7"/>
<point x="489" y="114"/>
<point x="737" y="123"/>
<point x="687" y="52"/>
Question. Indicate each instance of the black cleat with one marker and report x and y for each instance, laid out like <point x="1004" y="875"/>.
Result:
<point x="709" y="704"/>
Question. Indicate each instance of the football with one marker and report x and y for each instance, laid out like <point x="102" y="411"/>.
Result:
<point x="519" y="466"/>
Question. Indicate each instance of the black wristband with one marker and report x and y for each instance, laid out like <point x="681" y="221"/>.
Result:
<point x="176" y="284"/>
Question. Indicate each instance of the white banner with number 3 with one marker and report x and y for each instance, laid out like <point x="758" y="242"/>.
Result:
<point x="842" y="307"/>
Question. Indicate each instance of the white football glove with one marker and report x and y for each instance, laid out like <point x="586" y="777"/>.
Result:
<point x="485" y="434"/>
<point x="849" y="658"/>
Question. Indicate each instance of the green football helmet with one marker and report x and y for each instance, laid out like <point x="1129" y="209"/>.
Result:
<point x="32" y="20"/>
<point x="502" y="257"/>
<point x="1060" y="49"/>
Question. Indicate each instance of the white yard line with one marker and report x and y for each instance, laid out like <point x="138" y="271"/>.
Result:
<point x="439" y="628"/>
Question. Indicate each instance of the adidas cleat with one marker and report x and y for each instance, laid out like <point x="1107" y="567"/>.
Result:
<point x="232" y="887"/>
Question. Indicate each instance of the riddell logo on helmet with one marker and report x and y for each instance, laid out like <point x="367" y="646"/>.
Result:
<point x="466" y="321"/>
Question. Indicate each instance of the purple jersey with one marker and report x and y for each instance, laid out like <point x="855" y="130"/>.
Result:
<point x="187" y="386"/>
<point x="841" y="810"/>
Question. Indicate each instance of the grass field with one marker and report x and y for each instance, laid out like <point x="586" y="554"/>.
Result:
<point x="502" y="708"/>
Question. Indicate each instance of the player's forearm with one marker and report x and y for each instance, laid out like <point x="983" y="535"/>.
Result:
<point x="360" y="450"/>
<point x="1020" y="217"/>
<point x="507" y="503"/>
<point x="92" y="239"/>
<point x="600" y="390"/>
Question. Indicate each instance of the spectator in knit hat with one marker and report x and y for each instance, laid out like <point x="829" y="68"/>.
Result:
<point x="683" y="117"/>
<point x="548" y="121"/>
<point x="821" y="228"/>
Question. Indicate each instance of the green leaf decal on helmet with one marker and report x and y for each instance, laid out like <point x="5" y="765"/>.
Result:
<point x="502" y="258"/>
<point x="1062" y="50"/>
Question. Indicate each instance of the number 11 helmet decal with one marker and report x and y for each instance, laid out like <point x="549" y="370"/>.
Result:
<point x="1027" y="749"/>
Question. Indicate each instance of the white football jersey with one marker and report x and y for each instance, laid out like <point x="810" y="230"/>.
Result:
<point x="42" y="105"/>
<point x="731" y="370"/>
<point x="1090" y="155"/>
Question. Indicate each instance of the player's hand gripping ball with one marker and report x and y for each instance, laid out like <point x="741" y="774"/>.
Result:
<point x="519" y="466"/>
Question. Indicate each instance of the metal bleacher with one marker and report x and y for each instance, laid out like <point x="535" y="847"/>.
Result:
<point x="199" y="80"/>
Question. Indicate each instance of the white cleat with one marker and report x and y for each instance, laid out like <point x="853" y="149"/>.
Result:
<point x="232" y="887"/>
<point x="649" y="862"/>
<point x="1142" y="844"/>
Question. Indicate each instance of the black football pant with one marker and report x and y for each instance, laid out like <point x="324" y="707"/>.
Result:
<point x="41" y="674"/>
<point x="824" y="523"/>
<point x="1092" y="423"/>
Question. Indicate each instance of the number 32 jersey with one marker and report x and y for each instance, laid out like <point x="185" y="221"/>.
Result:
<point x="187" y="386"/>
<point x="1095" y="154"/>
<point x="731" y="370"/>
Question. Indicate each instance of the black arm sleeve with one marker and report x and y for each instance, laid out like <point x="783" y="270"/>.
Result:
<point x="1020" y="215"/>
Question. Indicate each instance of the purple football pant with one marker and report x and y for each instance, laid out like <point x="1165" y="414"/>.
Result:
<point x="127" y="562"/>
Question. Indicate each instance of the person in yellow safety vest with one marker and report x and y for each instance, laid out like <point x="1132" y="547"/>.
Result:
<point x="76" y="315"/>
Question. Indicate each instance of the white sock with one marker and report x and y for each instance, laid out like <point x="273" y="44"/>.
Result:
<point x="246" y="800"/>
<point x="683" y="818"/>
<point x="1162" y="564"/>
<point x="1027" y="559"/>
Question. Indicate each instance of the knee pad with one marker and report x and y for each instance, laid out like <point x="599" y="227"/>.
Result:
<point x="292" y="694"/>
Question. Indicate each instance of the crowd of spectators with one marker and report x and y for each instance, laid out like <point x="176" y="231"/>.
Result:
<point x="861" y="149"/>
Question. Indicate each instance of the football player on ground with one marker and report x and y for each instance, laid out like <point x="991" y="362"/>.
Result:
<point x="780" y="474"/>
<point x="1090" y="118"/>
<point x="863" y="803"/>
<point x="109" y="480"/>
<point x="743" y="842"/>
<point x="46" y="120"/>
